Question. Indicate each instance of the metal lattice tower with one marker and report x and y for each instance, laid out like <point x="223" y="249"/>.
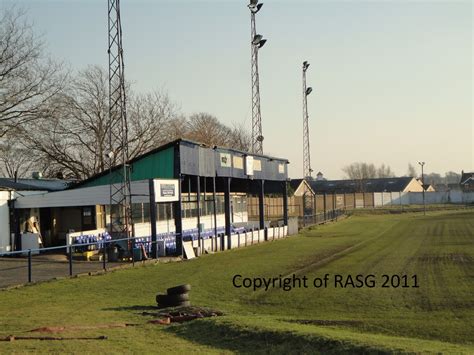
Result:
<point x="306" y="151"/>
<point x="120" y="191"/>
<point x="257" y="42"/>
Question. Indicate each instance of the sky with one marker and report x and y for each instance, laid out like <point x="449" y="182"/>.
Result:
<point x="392" y="80"/>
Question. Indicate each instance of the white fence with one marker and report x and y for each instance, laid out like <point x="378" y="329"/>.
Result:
<point x="416" y="198"/>
<point x="238" y="240"/>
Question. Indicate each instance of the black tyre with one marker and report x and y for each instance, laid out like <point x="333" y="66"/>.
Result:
<point x="172" y="299"/>
<point x="178" y="304"/>
<point x="179" y="289"/>
<point x="178" y="298"/>
<point x="161" y="299"/>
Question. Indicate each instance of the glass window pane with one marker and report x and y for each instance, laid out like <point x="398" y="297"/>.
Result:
<point x="146" y="212"/>
<point x="137" y="213"/>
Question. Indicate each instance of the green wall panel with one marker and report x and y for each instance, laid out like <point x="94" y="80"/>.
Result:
<point x="159" y="165"/>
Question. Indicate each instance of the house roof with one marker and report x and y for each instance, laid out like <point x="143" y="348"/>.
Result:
<point x="368" y="185"/>
<point x="33" y="184"/>
<point x="467" y="178"/>
<point x="469" y="181"/>
<point x="7" y="184"/>
<point x="172" y="144"/>
<point x="295" y="183"/>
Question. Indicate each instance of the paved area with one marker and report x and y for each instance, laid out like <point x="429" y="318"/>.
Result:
<point x="14" y="271"/>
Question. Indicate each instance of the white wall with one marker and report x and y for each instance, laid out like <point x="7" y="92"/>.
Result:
<point x="240" y="240"/>
<point x="84" y="196"/>
<point x="391" y="198"/>
<point x="4" y="221"/>
<point x="5" y="196"/>
<point x="416" y="198"/>
<point x="453" y="196"/>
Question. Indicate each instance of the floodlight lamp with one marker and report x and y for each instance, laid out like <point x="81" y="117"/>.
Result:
<point x="262" y="43"/>
<point x="305" y="65"/>
<point x="257" y="8"/>
<point x="260" y="138"/>
<point x="256" y="39"/>
<point x="309" y="90"/>
<point x="253" y="2"/>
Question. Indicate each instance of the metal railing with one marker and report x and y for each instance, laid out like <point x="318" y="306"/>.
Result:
<point x="319" y="218"/>
<point x="61" y="261"/>
<point x="107" y="251"/>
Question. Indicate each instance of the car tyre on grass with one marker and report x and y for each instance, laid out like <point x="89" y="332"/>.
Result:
<point x="171" y="299"/>
<point x="179" y="289"/>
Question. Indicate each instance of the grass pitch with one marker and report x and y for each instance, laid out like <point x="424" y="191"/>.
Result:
<point x="434" y="317"/>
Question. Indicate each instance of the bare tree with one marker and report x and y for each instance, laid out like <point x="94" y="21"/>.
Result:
<point x="15" y="159"/>
<point x="176" y="128"/>
<point x="150" y="117"/>
<point x="384" y="171"/>
<point x="411" y="170"/>
<point x="28" y="79"/>
<point x="360" y="171"/>
<point x="241" y="138"/>
<point x="205" y="128"/>
<point x="452" y="177"/>
<point x="74" y="135"/>
<point x="364" y="171"/>
<point x="433" y="179"/>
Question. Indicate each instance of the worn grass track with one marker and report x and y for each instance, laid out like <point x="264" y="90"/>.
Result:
<point x="436" y="317"/>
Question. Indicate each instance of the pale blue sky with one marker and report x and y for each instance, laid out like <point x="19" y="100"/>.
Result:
<point x="392" y="79"/>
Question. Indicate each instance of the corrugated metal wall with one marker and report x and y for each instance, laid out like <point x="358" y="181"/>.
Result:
<point x="157" y="165"/>
<point x="204" y="161"/>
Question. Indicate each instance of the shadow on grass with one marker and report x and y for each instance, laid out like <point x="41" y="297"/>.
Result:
<point x="132" y="308"/>
<point x="229" y="336"/>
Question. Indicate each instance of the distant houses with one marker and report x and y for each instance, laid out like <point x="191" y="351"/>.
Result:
<point x="467" y="181"/>
<point x="395" y="184"/>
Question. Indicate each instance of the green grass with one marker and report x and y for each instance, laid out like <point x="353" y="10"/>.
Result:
<point x="436" y="317"/>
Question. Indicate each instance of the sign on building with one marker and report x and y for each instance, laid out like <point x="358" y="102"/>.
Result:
<point x="281" y="168"/>
<point x="248" y="165"/>
<point x="238" y="162"/>
<point x="225" y="159"/>
<point x="166" y="190"/>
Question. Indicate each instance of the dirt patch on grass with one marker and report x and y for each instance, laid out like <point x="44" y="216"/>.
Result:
<point x="325" y="322"/>
<point x="181" y="315"/>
